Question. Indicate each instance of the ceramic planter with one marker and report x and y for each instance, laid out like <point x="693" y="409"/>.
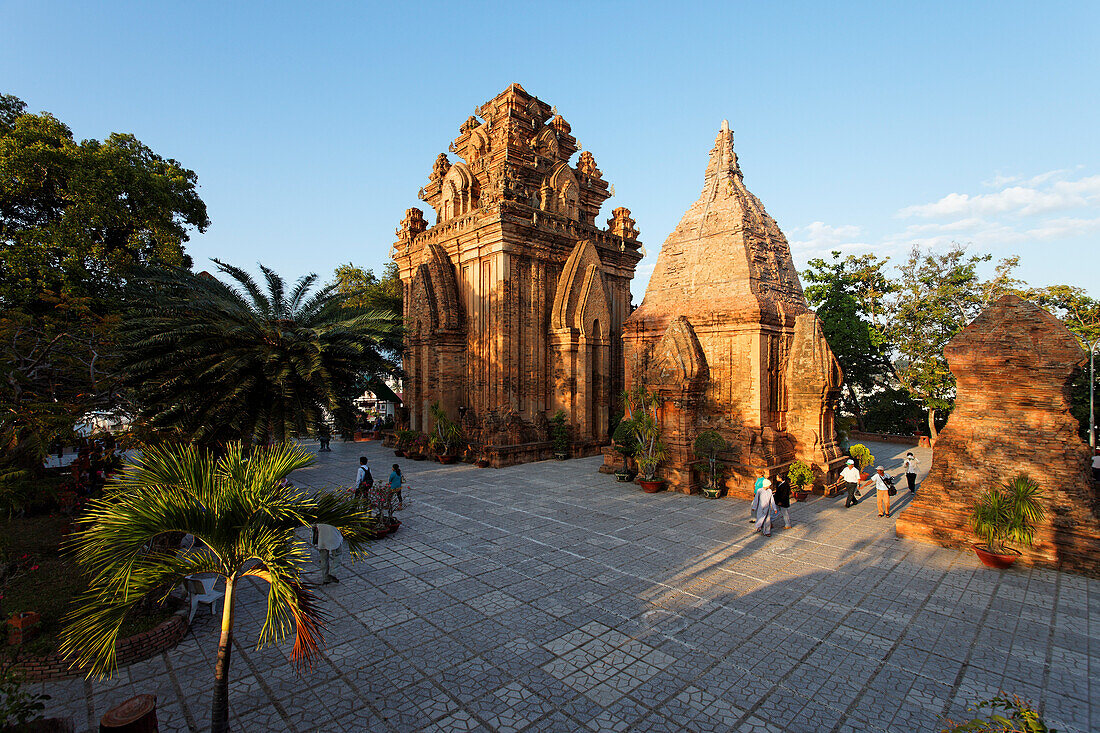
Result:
<point x="446" y="460"/>
<point x="711" y="492"/>
<point x="801" y="495"/>
<point x="561" y="455"/>
<point x="651" y="487"/>
<point x="483" y="463"/>
<point x="994" y="559"/>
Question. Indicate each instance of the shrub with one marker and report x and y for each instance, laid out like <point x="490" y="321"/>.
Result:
<point x="862" y="455"/>
<point x="1008" y="513"/>
<point x="800" y="474"/>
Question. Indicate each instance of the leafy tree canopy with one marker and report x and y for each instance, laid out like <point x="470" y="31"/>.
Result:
<point x="75" y="216"/>
<point x="210" y="361"/>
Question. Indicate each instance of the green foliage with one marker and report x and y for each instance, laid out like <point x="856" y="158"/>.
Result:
<point x="641" y="409"/>
<point x="245" y="517"/>
<point x="362" y="290"/>
<point x="801" y="474"/>
<point x="217" y="362"/>
<point x="848" y="297"/>
<point x="1008" y="514"/>
<point x="17" y="705"/>
<point x="862" y="455"/>
<point x="891" y="410"/>
<point x="74" y="217"/>
<point x="405" y="438"/>
<point x="623" y="437"/>
<point x="559" y="432"/>
<point x="708" y="444"/>
<point x="446" y="433"/>
<point x="1006" y="715"/>
<point x="938" y="297"/>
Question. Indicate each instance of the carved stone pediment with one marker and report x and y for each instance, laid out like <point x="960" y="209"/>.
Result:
<point x="580" y="300"/>
<point x="677" y="360"/>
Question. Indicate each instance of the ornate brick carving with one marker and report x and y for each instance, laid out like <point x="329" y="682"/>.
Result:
<point x="762" y="375"/>
<point x="1012" y="366"/>
<point x="621" y="225"/>
<point x="539" y="293"/>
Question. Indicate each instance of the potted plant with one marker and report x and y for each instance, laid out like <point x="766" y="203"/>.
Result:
<point x="1004" y="514"/>
<point x="708" y="444"/>
<point x="801" y="475"/>
<point x="623" y="439"/>
<point x="649" y="450"/>
<point x="559" y="435"/>
<point x="863" y="457"/>
<point x="404" y="440"/>
<point x="445" y="435"/>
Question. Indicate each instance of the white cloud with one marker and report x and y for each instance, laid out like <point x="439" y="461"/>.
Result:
<point x="1040" y="194"/>
<point x="820" y="238"/>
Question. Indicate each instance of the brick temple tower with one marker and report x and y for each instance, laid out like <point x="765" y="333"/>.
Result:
<point x="514" y="298"/>
<point x="726" y="337"/>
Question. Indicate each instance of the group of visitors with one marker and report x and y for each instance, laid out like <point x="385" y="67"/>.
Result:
<point x="772" y="497"/>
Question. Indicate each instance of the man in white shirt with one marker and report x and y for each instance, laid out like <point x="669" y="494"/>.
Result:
<point x="850" y="476"/>
<point x="328" y="541"/>
<point x="882" y="490"/>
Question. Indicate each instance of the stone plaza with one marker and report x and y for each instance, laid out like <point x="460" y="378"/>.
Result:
<point x="549" y="597"/>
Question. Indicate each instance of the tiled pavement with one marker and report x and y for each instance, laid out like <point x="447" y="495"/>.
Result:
<point x="548" y="597"/>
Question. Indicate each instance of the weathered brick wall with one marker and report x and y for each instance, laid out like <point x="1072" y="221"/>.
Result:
<point x="1012" y="365"/>
<point x="129" y="650"/>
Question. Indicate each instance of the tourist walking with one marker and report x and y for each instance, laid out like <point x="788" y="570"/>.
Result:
<point x="328" y="541"/>
<point x="782" y="492"/>
<point x="851" y="476"/>
<point x="759" y="484"/>
<point x="882" y="491"/>
<point x="324" y="437"/>
<point x="763" y="504"/>
<point x="397" y="482"/>
<point x="364" y="481"/>
<point x="911" y="471"/>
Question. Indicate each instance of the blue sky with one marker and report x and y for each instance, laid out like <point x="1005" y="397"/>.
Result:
<point x="861" y="126"/>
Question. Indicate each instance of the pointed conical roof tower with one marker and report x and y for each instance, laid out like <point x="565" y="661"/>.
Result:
<point x="724" y="336"/>
<point x="727" y="257"/>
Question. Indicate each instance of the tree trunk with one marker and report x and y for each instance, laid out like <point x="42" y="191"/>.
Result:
<point x="219" y="710"/>
<point x="932" y="425"/>
<point x="858" y="409"/>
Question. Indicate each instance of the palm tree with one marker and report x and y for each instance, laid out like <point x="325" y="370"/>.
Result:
<point x="214" y="362"/>
<point x="243" y="516"/>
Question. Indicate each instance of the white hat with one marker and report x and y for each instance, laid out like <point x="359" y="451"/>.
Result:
<point x="766" y="483"/>
<point x="879" y="468"/>
<point x="851" y="462"/>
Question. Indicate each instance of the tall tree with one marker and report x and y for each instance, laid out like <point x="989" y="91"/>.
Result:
<point x="214" y="362"/>
<point x="1081" y="315"/>
<point x="244" y="517"/>
<point x="939" y="295"/>
<point x="847" y="296"/>
<point x="74" y="217"/>
<point x="362" y="289"/>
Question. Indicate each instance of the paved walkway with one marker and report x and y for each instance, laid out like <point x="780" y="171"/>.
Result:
<point x="548" y="597"/>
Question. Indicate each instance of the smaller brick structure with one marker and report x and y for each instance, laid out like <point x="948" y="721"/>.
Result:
<point x="1012" y="365"/>
<point x="129" y="650"/>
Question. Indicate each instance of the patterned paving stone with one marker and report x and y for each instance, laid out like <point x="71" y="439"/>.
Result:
<point x="551" y="598"/>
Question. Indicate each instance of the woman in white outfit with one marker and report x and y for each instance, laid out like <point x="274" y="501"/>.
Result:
<point x="911" y="470"/>
<point x="764" y="506"/>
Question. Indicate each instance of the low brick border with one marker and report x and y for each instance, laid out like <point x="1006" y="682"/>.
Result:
<point x="132" y="649"/>
<point x="856" y="436"/>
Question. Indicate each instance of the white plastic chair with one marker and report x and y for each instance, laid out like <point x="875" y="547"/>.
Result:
<point x="201" y="589"/>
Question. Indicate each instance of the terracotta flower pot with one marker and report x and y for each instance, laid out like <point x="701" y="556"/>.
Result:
<point x="446" y="460"/>
<point x="994" y="559"/>
<point x="483" y="463"/>
<point x="651" y="487"/>
<point x="801" y="495"/>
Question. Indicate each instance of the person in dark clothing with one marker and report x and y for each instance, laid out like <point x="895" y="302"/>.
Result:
<point x="782" y="490"/>
<point x="364" y="481"/>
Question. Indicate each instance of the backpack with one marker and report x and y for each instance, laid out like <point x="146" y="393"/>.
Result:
<point x="368" y="480"/>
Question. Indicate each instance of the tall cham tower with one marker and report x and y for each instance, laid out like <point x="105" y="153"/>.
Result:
<point x="514" y="298"/>
<point x="726" y="338"/>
